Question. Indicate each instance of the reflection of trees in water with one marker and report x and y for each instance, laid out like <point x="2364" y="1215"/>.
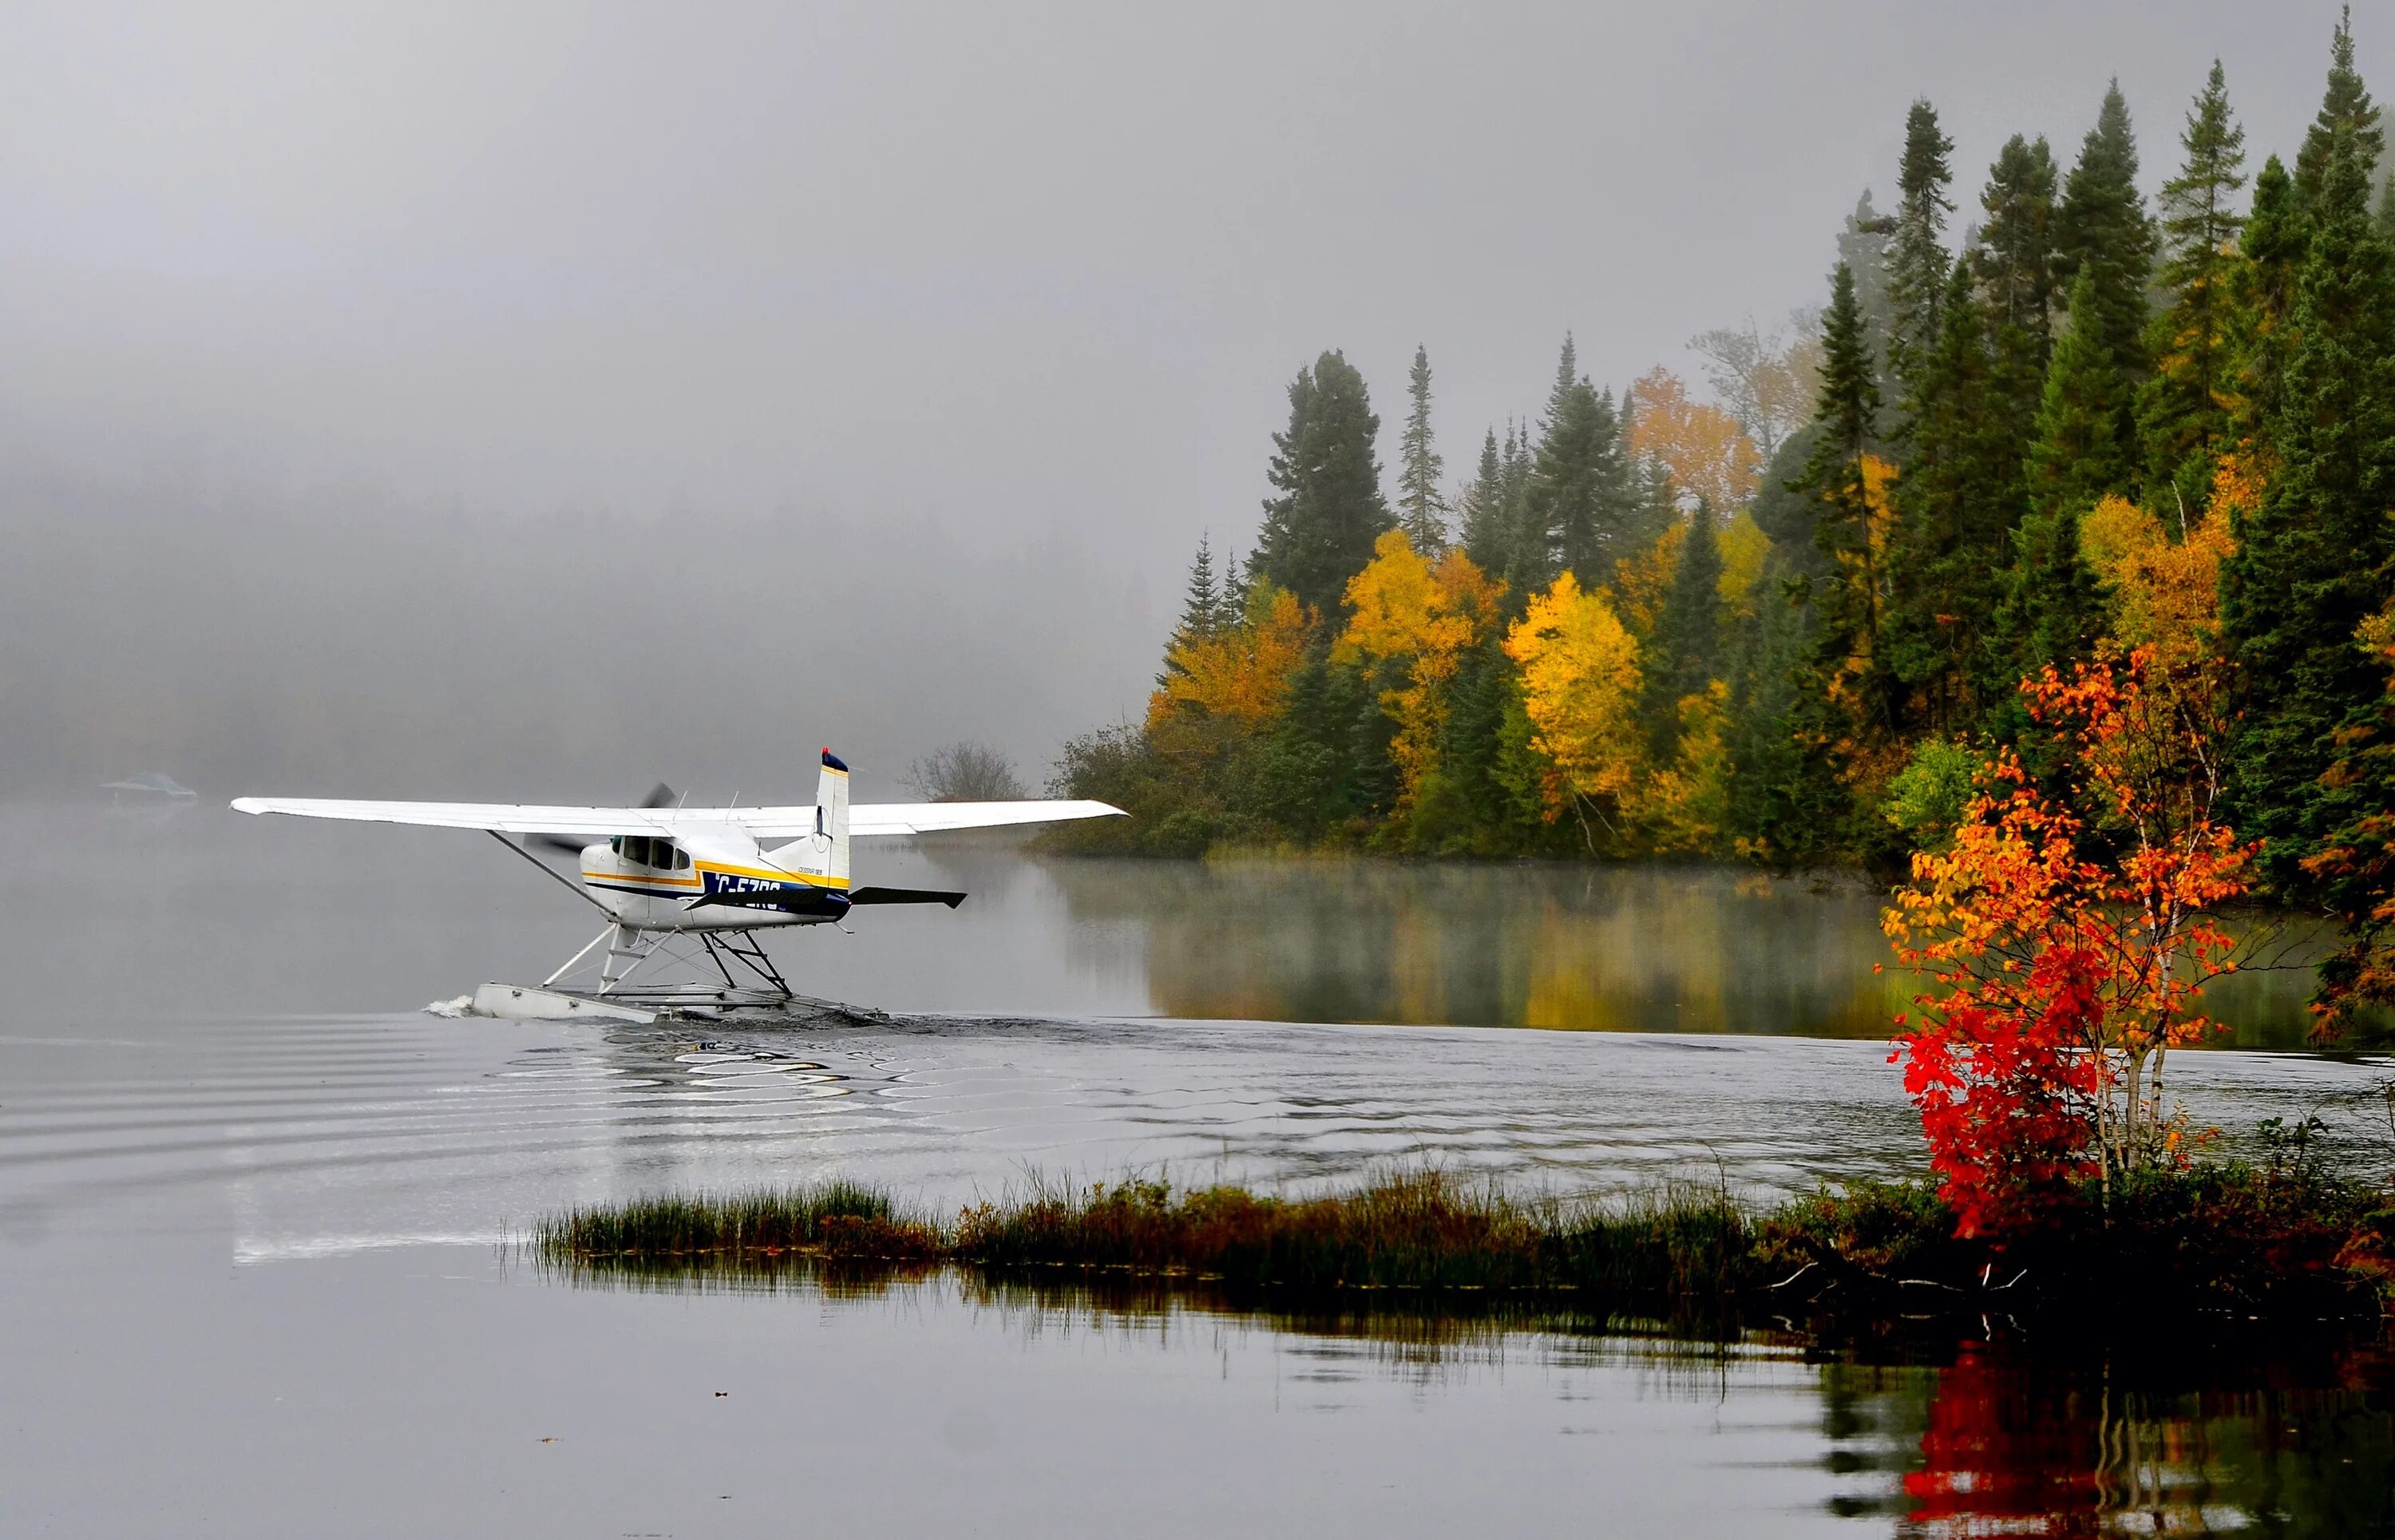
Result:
<point x="1616" y="949"/>
<point x="2002" y="1445"/>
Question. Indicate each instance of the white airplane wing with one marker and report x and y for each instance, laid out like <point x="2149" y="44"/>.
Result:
<point x="758" y="822"/>
<point x="934" y="817"/>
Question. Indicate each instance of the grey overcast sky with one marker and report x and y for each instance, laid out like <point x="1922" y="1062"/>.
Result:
<point x="1010" y="281"/>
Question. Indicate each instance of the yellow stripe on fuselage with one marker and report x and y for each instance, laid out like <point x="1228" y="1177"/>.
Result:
<point x="804" y="879"/>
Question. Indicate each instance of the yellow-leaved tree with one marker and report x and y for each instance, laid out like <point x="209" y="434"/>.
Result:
<point x="2166" y="592"/>
<point x="1580" y="683"/>
<point x="1240" y="673"/>
<point x="1412" y="623"/>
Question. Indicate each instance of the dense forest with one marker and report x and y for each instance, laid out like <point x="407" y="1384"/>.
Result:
<point x="1787" y="618"/>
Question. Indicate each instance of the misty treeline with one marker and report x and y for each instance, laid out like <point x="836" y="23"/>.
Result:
<point x="1787" y="621"/>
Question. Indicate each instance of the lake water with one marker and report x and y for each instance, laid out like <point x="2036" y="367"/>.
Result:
<point x="256" y="1210"/>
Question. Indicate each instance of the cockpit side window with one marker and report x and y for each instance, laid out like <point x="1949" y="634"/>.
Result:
<point x="636" y="849"/>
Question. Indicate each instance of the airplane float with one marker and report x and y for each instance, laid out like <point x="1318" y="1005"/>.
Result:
<point x="663" y="873"/>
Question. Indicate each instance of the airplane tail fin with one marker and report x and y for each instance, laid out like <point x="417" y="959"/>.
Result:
<point x="831" y="818"/>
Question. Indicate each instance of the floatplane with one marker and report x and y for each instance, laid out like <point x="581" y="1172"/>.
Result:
<point x="666" y="875"/>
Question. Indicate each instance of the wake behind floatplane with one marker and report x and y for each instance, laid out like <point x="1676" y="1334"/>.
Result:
<point x="694" y="888"/>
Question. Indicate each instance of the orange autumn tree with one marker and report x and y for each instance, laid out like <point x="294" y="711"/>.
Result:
<point x="1240" y="673"/>
<point x="2065" y="935"/>
<point x="1412" y="623"/>
<point x="1708" y="454"/>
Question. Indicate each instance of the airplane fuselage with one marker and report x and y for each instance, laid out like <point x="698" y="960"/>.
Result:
<point x="722" y="881"/>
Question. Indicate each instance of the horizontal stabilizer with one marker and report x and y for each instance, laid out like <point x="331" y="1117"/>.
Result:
<point x="903" y="895"/>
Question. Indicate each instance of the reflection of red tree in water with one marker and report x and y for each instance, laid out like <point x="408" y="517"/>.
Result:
<point x="2005" y="1455"/>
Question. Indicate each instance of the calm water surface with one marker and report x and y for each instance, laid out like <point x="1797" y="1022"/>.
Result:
<point x="255" y="1210"/>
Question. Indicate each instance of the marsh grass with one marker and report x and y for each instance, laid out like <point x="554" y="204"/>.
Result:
<point x="2220" y="1240"/>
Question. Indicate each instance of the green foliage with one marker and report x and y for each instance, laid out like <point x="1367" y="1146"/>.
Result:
<point x="2014" y="260"/>
<point x="1584" y="506"/>
<point x="1917" y="259"/>
<point x="2106" y="238"/>
<point x="2183" y="410"/>
<point x="1422" y="508"/>
<point x="1957" y="501"/>
<point x="1927" y="797"/>
<point x="1684" y="654"/>
<point x="2311" y="564"/>
<point x="1320" y="531"/>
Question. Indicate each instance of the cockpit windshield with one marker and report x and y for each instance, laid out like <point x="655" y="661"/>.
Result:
<point x="643" y="850"/>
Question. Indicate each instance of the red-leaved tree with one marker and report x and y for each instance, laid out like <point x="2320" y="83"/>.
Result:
<point x="2065" y="933"/>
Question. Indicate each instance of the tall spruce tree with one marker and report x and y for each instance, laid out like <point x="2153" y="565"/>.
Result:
<point x="1422" y="511"/>
<point x="2104" y="233"/>
<point x="2015" y="256"/>
<point x="1487" y="538"/>
<point x="1684" y="655"/>
<point x="2344" y="108"/>
<point x="1580" y="487"/>
<point x="2314" y="561"/>
<point x="2054" y="610"/>
<point x="1916" y="255"/>
<point x="1955" y="507"/>
<point x="1320" y="531"/>
<point x="2276" y="239"/>
<point x="1848" y="598"/>
<point x="1862" y="247"/>
<point x="2183" y="410"/>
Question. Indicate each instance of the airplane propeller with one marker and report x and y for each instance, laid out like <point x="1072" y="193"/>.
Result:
<point x="660" y="796"/>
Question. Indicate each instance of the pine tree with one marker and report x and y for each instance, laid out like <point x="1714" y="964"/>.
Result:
<point x="1685" y="653"/>
<point x="1917" y="259"/>
<point x="1319" y="532"/>
<point x="1955" y="507"/>
<point x="1201" y="614"/>
<point x="2014" y="257"/>
<point x="1581" y="487"/>
<point x="2387" y="208"/>
<point x="1487" y="535"/>
<point x="1845" y="420"/>
<point x="1862" y="247"/>
<point x="2344" y="108"/>
<point x="2077" y="455"/>
<point x="1421" y="512"/>
<point x="2311" y="563"/>
<point x="2104" y="233"/>
<point x="2183" y="410"/>
<point x="2053" y="609"/>
<point x="2276" y="238"/>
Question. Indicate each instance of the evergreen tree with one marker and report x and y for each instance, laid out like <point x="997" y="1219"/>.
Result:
<point x="1862" y="247"/>
<point x="1320" y="531"/>
<point x="1487" y="536"/>
<point x="2053" y="609"/>
<point x="2387" y="208"/>
<point x="2344" y="108"/>
<point x="2104" y="233"/>
<point x="2015" y="257"/>
<point x="1421" y="512"/>
<point x="1845" y="422"/>
<point x="2077" y="455"/>
<point x="1685" y="653"/>
<point x="1917" y="257"/>
<point x="2183" y="410"/>
<point x="1580" y="485"/>
<point x="1955" y="508"/>
<point x="2277" y="236"/>
<point x="2311" y="563"/>
<point x="1789" y="805"/>
<point x="1201" y="610"/>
